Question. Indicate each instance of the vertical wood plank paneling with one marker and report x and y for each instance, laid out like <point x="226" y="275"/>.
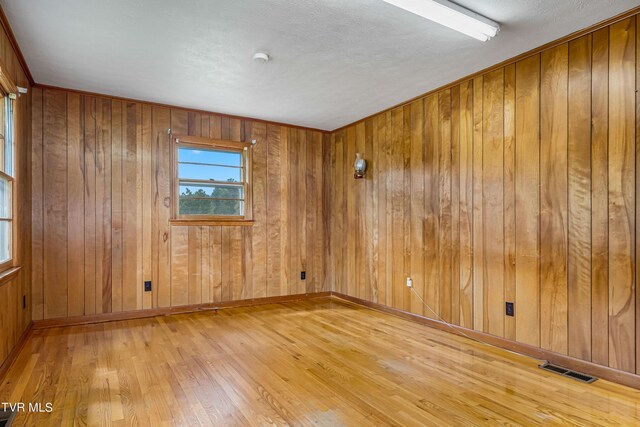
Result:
<point x="180" y="265"/>
<point x="431" y="198"/>
<point x="75" y="209"/>
<point x="316" y="234"/>
<point x="340" y="206"/>
<point x="225" y="264"/>
<point x="117" y="114"/>
<point x="147" y="205"/>
<point x="553" y="199"/>
<point x="205" y="260"/>
<point x="417" y="206"/>
<point x="103" y="205"/>
<point x="600" y="198"/>
<point x="37" y="205"/>
<point x="455" y="205"/>
<point x="88" y="223"/>
<point x="275" y="212"/>
<point x="179" y="283"/>
<point x="131" y="205"/>
<point x="328" y="214"/>
<point x="295" y="263"/>
<point x="55" y="204"/>
<point x="621" y="195"/>
<point x="359" y="193"/>
<point x="115" y="171"/>
<point x="406" y="198"/>
<point x="285" y="209"/>
<point x="525" y="200"/>
<point x="161" y="122"/>
<point x="247" y="233"/>
<point x="466" y="204"/>
<point x="478" y="216"/>
<point x="352" y="217"/>
<point x="194" y="265"/>
<point x="215" y="264"/>
<point x="260" y="212"/>
<point x="579" y="187"/>
<point x="444" y="203"/>
<point x="235" y="263"/>
<point x="397" y="207"/>
<point x="527" y="185"/>
<point x="637" y="195"/>
<point x="380" y="170"/>
<point x="493" y="201"/>
<point x="509" y="201"/>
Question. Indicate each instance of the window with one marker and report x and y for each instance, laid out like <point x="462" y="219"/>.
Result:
<point x="212" y="180"/>
<point x="7" y="181"/>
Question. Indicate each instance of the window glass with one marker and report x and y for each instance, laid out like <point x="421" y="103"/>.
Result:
<point x="6" y="181"/>
<point x="5" y="196"/>
<point x="5" y="241"/>
<point x="210" y="182"/>
<point x="212" y="157"/>
<point x="208" y="173"/>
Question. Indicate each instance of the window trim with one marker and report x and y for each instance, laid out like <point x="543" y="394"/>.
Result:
<point x="245" y="148"/>
<point x="10" y="90"/>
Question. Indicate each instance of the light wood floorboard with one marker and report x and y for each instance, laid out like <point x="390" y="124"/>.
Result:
<point x="315" y="362"/>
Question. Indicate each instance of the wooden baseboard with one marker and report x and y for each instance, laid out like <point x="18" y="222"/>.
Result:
<point x="13" y="355"/>
<point x="604" y="372"/>
<point x="166" y="311"/>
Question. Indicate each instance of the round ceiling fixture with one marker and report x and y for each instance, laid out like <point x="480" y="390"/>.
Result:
<point x="261" y="57"/>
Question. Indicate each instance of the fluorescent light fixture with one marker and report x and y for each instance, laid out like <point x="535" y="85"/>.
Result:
<point x="451" y="15"/>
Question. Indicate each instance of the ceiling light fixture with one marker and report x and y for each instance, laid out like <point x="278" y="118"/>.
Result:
<point x="451" y="15"/>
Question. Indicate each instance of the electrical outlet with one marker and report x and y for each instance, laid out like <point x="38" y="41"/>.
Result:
<point x="409" y="282"/>
<point x="509" y="309"/>
<point x="303" y="275"/>
<point x="147" y="286"/>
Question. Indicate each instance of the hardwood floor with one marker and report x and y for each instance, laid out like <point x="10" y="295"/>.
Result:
<point x="315" y="362"/>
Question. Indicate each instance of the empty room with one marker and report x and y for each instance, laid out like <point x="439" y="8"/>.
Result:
<point x="319" y="213"/>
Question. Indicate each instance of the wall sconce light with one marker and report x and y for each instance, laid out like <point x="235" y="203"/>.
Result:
<point x="360" y="166"/>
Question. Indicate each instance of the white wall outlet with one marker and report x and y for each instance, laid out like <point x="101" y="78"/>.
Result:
<point x="409" y="282"/>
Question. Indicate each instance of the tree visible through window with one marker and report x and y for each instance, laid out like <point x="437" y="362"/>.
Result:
<point x="211" y="181"/>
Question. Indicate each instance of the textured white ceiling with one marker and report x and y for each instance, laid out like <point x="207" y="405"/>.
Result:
<point x="334" y="61"/>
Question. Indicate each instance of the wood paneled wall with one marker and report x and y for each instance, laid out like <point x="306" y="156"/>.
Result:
<point x="518" y="185"/>
<point x="101" y="170"/>
<point x="14" y="319"/>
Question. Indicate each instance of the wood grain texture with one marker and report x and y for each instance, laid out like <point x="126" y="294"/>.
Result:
<point x="445" y="244"/>
<point x="213" y="378"/>
<point x="493" y="201"/>
<point x="111" y="167"/>
<point x="417" y="206"/>
<point x="621" y="195"/>
<point x="478" y="203"/>
<point x="528" y="201"/>
<point x="466" y="205"/>
<point x="509" y="196"/>
<point x="579" y="200"/>
<point x="553" y="198"/>
<point x="600" y="198"/>
<point x="524" y="190"/>
<point x="55" y="205"/>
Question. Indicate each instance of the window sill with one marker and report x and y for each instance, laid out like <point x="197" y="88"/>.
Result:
<point x="8" y="275"/>
<point x="213" y="222"/>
